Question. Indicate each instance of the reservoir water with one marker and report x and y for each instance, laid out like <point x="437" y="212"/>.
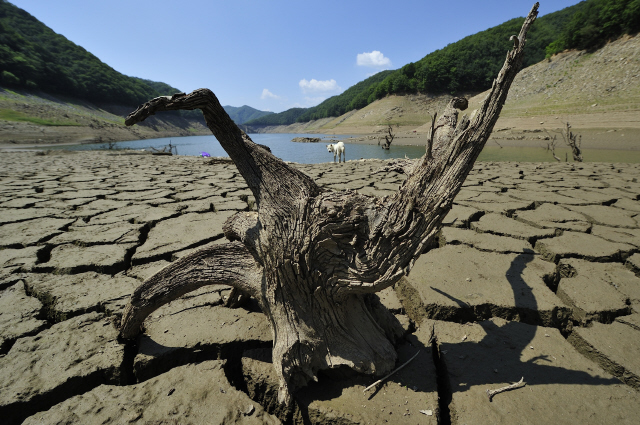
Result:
<point x="280" y="144"/>
<point x="314" y="153"/>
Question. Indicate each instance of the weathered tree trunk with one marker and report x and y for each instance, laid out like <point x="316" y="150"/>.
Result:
<point x="312" y="257"/>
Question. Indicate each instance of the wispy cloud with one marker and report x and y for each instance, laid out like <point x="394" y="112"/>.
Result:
<point x="373" y="59"/>
<point x="315" y="86"/>
<point x="266" y="94"/>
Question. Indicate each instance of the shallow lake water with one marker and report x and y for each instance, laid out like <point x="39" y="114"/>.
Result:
<point x="280" y="144"/>
<point x="313" y="153"/>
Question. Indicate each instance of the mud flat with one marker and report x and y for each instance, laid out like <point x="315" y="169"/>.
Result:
<point x="535" y="276"/>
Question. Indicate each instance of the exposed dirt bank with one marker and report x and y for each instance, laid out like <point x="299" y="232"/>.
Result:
<point x="38" y="119"/>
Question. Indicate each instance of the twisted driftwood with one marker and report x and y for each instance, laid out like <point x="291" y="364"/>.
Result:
<point x="311" y="257"/>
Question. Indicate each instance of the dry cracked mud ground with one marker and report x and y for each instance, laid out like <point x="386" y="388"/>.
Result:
<point x="535" y="277"/>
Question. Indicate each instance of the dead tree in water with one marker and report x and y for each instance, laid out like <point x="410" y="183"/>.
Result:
<point x="388" y="137"/>
<point x="574" y="141"/>
<point x="312" y="257"/>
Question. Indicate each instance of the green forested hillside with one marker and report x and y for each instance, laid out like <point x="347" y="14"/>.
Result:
<point x="597" y="22"/>
<point x="244" y="113"/>
<point x="472" y="63"/>
<point x="355" y="97"/>
<point x="283" y="118"/>
<point x="32" y="56"/>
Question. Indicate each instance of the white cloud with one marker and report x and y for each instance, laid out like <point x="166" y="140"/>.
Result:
<point x="266" y="94"/>
<point x="318" y="86"/>
<point x="373" y="59"/>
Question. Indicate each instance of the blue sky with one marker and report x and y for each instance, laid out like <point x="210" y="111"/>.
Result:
<point x="271" y="55"/>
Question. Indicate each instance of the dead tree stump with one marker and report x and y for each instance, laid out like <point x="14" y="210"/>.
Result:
<point x="312" y="257"/>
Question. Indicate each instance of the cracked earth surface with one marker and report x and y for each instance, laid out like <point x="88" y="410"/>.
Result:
<point x="535" y="275"/>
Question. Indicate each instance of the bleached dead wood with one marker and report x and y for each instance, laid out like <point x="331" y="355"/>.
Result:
<point x="518" y="384"/>
<point x="311" y="257"/>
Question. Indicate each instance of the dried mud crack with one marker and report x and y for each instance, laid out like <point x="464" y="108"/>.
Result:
<point x="545" y="300"/>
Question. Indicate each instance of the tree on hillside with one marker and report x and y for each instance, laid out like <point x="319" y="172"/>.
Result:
<point x="313" y="258"/>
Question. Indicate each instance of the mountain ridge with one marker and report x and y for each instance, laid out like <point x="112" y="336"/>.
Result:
<point x="34" y="57"/>
<point x="244" y="113"/>
<point x="52" y="90"/>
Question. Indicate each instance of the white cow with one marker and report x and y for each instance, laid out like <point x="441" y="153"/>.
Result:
<point x="338" y="149"/>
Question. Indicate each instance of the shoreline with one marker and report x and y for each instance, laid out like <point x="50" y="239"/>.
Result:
<point x="508" y="132"/>
<point x="593" y="138"/>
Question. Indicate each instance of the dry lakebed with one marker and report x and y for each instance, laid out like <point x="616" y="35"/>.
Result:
<point x="534" y="277"/>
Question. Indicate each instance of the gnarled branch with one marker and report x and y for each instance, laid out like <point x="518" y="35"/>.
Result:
<point x="269" y="178"/>
<point x="228" y="264"/>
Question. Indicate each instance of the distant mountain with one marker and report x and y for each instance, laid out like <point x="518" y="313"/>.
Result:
<point x="283" y="118"/>
<point x="244" y="113"/>
<point x="329" y="108"/>
<point x="34" y="57"/>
